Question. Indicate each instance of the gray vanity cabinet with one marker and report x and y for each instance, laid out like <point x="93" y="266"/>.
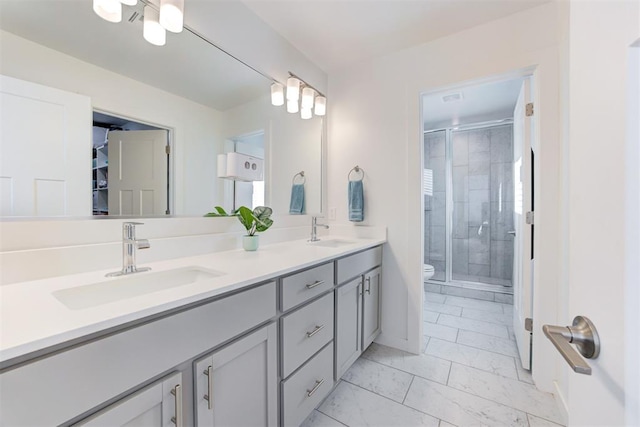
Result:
<point x="238" y="384"/>
<point x="158" y="405"/>
<point x="349" y="321"/>
<point x="357" y="306"/>
<point x="371" y="307"/>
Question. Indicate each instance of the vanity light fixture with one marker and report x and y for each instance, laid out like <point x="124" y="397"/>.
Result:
<point x="320" y="108"/>
<point x="109" y="10"/>
<point x="277" y="94"/>
<point x="307" y="98"/>
<point x="172" y="15"/>
<point x="293" y="89"/>
<point x="305" y="113"/>
<point x="152" y="31"/>
<point x="312" y="102"/>
<point x="292" y="106"/>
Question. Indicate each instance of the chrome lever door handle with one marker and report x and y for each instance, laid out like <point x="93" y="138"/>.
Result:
<point x="585" y="337"/>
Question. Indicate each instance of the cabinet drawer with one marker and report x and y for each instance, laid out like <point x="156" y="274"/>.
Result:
<point x="356" y="264"/>
<point x="306" y="331"/>
<point x="300" y="287"/>
<point x="305" y="390"/>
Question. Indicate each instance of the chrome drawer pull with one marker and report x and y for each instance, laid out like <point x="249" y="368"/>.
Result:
<point x="177" y="420"/>
<point x="315" y="331"/>
<point x="314" y="284"/>
<point x="315" y="388"/>
<point x="209" y="396"/>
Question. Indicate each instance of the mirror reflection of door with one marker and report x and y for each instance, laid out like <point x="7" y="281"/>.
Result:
<point x="130" y="168"/>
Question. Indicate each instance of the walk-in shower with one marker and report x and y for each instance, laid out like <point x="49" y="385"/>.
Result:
<point x="469" y="203"/>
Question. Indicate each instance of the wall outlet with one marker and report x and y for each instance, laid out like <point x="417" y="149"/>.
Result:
<point x="332" y="214"/>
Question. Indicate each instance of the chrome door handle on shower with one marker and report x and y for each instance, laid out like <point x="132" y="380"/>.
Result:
<point x="585" y="337"/>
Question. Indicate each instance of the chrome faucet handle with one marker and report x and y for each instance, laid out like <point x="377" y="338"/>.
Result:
<point x="143" y="244"/>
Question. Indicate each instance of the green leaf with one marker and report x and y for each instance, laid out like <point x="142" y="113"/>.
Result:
<point x="263" y="220"/>
<point x="219" y="212"/>
<point x="246" y="219"/>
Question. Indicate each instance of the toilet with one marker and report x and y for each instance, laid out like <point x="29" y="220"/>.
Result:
<point x="429" y="271"/>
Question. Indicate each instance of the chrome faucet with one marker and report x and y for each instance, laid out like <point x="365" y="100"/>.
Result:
<point x="129" y="246"/>
<point x="314" y="228"/>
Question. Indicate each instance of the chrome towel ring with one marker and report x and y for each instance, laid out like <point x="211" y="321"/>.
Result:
<point x="358" y="170"/>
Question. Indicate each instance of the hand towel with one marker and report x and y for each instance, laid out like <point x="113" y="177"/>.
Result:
<point x="356" y="201"/>
<point x="297" y="199"/>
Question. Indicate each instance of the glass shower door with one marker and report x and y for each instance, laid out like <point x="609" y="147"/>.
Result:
<point x="435" y="201"/>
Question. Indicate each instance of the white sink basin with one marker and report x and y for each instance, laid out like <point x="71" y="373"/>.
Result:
<point x="334" y="243"/>
<point x="125" y="287"/>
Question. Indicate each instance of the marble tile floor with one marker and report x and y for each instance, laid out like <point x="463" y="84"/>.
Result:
<point x="468" y="374"/>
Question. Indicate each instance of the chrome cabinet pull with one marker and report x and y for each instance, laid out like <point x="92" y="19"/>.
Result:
<point x="315" y="388"/>
<point x="177" y="420"/>
<point x="315" y="331"/>
<point x="209" y="396"/>
<point x="585" y="337"/>
<point x="314" y="284"/>
<point x="368" y="280"/>
<point x="512" y="232"/>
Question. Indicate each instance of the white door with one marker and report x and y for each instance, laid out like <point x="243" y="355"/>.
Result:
<point x="138" y="172"/>
<point x="601" y="119"/>
<point x="45" y="150"/>
<point x="522" y="269"/>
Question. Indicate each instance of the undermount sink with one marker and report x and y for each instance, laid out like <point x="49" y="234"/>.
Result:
<point x="125" y="287"/>
<point x="334" y="243"/>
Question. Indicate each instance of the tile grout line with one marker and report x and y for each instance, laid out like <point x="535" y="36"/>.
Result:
<point x="408" y="388"/>
<point x="407" y="372"/>
<point x="338" y="421"/>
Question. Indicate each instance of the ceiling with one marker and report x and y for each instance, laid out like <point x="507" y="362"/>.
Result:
<point x="334" y="33"/>
<point x="478" y="103"/>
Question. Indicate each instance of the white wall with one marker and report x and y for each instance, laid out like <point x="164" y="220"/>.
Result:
<point x="196" y="128"/>
<point x="374" y="121"/>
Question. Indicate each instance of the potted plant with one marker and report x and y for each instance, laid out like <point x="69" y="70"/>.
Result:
<point x="255" y="221"/>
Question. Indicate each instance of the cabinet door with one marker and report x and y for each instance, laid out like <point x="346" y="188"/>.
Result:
<point x="159" y="405"/>
<point x="371" y="307"/>
<point x="348" y="325"/>
<point x="237" y="385"/>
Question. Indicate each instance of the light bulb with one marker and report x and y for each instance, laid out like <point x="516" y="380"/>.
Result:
<point x="109" y="10"/>
<point x="321" y="106"/>
<point x="152" y="31"/>
<point x="277" y="94"/>
<point x="293" y="89"/>
<point x="305" y="113"/>
<point x="172" y="15"/>
<point x="292" y="106"/>
<point x="307" y="98"/>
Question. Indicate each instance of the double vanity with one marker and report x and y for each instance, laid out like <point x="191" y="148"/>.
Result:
<point x="229" y="338"/>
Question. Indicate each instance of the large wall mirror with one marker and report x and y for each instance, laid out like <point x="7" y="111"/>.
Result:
<point x="95" y="120"/>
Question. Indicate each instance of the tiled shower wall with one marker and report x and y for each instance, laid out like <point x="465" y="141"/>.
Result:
<point x="483" y="198"/>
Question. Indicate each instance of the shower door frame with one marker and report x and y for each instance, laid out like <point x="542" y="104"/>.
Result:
<point x="449" y="202"/>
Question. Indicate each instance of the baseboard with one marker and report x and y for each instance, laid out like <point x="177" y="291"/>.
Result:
<point x="400" y="344"/>
<point x="561" y="401"/>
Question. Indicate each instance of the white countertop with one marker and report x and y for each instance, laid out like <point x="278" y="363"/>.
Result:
<point x="32" y="319"/>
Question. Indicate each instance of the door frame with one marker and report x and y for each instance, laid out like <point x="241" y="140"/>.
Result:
<point x="171" y="182"/>
<point x="533" y="74"/>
